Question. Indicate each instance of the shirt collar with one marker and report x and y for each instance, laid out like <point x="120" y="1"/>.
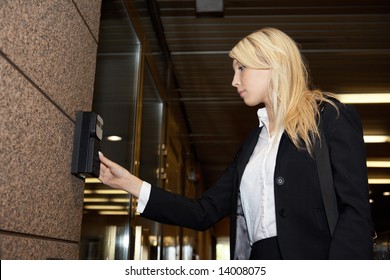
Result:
<point x="264" y="121"/>
<point x="263" y="117"/>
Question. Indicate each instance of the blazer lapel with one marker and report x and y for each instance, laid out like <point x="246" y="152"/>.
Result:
<point x="248" y="147"/>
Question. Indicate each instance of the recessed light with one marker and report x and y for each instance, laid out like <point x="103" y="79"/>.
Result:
<point x="105" y="191"/>
<point x="386" y="193"/>
<point x="95" y="199"/>
<point x="209" y="6"/>
<point x="92" y="181"/>
<point x="376" y="138"/>
<point x="379" y="181"/>
<point x="104" y="207"/>
<point x="113" y="213"/>
<point x="114" y="138"/>
<point x="359" y="98"/>
<point x="378" y="163"/>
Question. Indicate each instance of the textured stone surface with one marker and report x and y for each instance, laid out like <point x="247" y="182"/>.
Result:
<point x="90" y="10"/>
<point x="26" y="248"/>
<point x="50" y="42"/>
<point x="38" y="195"/>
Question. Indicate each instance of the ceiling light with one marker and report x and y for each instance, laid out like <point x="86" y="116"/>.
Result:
<point x="386" y="193"/>
<point x="379" y="181"/>
<point x="95" y="199"/>
<point x="120" y="200"/>
<point x="114" y="138"/>
<point x="371" y="200"/>
<point x="378" y="163"/>
<point x="105" y="192"/>
<point x="92" y="181"/>
<point x="355" y="98"/>
<point x="104" y="207"/>
<point x="106" y="200"/>
<point x="113" y="213"/>
<point x="376" y="138"/>
<point x="209" y="7"/>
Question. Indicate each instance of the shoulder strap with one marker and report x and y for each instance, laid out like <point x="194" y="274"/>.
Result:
<point x="324" y="170"/>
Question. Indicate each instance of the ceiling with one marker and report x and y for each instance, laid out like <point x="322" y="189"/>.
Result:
<point x="346" y="44"/>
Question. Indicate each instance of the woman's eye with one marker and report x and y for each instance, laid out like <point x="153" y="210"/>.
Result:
<point x="241" y="68"/>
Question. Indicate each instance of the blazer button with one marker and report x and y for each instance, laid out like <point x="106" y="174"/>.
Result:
<point x="283" y="212"/>
<point x="280" y="181"/>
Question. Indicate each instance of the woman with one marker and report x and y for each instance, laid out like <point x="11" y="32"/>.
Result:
<point x="271" y="189"/>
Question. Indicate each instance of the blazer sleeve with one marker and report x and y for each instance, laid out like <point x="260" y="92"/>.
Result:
<point x="212" y="206"/>
<point x="199" y="214"/>
<point x="352" y="238"/>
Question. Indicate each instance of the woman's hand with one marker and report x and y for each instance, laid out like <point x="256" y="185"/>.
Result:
<point x="117" y="177"/>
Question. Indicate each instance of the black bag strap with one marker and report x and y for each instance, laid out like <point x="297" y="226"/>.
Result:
<point x="324" y="171"/>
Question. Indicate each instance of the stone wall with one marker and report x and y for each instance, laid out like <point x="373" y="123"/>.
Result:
<point x="47" y="68"/>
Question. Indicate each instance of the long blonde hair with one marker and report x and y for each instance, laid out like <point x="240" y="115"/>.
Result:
<point x="294" y="105"/>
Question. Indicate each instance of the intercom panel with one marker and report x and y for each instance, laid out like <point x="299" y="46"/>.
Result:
<point x="87" y="136"/>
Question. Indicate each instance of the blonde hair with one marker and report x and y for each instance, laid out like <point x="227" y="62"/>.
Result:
<point x="294" y="105"/>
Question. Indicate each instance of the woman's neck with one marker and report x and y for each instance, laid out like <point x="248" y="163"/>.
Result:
<point x="271" y="121"/>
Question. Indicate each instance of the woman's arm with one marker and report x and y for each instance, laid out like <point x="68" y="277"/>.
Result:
<point x="166" y="207"/>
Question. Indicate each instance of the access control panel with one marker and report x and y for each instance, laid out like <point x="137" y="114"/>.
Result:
<point x="87" y="136"/>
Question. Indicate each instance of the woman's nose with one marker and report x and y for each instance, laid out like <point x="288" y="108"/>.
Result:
<point x="235" y="81"/>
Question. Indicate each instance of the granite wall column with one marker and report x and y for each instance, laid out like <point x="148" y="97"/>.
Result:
<point x="47" y="68"/>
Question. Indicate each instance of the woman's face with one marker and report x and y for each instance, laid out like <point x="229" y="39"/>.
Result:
<point x="251" y="84"/>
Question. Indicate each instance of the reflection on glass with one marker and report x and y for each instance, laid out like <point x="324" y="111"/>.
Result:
<point x="223" y="248"/>
<point x="188" y="244"/>
<point x="106" y="232"/>
<point x="152" y="112"/>
<point x="382" y="246"/>
<point x="147" y="245"/>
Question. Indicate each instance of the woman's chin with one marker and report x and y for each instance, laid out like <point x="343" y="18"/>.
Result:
<point x="251" y="103"/>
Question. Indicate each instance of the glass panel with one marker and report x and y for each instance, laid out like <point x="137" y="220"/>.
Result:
<point x="151" y="37"/>
<point x="223" y="248"/>
<point x="106" y="232"/>
<point x="152" y="113"/>
<point x="382" y="246"/>
<point x="173" y="235"/>
<point x="189" y="238"/>
<point x="147" y="243"/>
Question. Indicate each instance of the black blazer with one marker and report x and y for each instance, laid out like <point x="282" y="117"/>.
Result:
<point x="302" y="228"/>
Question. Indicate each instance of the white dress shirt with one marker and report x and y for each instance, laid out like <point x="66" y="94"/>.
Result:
<point x="143" y="197"/>
<point x="257" y="184"/>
